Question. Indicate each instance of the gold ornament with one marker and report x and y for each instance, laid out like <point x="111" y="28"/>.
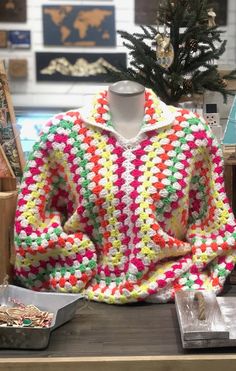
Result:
<point x="164" y="50"/>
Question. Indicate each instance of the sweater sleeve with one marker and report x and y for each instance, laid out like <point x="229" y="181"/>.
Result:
<point x="47" y="256"/>
<point x="211" y="224"/>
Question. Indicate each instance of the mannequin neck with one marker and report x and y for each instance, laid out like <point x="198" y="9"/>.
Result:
<point x="127" y="112"/>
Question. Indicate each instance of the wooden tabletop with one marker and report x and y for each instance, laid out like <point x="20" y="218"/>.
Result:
<point x="140" y="336"/>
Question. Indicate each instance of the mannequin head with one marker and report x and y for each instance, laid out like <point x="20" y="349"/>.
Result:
<point x="126" y="101"/>
<point x="126" y="88"/>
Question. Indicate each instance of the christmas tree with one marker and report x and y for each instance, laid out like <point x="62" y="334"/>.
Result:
<point x="177" y="57"/>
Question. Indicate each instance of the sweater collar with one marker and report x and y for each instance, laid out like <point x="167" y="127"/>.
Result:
<point x="156" y="113"/>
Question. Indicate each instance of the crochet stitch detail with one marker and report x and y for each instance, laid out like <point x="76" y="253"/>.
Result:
<point x="124" y="223"/>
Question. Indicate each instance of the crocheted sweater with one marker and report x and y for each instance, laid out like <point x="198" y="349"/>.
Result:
<point x="124" y="220"/>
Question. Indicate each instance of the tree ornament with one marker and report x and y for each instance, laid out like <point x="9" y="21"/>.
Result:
<point x="211" y="18"/>
<point x="223" y="83"/>
<point x="192" y="57"/>
<point x="193" y="45"/>
<point x="164" y="50"/>
<point x="187" y="85"/>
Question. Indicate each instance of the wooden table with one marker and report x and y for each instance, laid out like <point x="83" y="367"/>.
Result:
<point x="104" y="337"/>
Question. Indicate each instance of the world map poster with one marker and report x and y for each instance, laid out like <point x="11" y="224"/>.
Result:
<point x="72" y="25"/>
<point x="82" y="67"/>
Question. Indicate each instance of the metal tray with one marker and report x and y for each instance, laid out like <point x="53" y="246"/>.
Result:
<point x="63" y="307"/>
<point x="218" y="329"/>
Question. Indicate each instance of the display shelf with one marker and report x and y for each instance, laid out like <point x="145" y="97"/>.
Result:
<point x="10" y="139"/>
<point x="12" y="160"/>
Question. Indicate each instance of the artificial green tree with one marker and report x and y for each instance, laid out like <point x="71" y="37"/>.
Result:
<point x="196" y="45"/>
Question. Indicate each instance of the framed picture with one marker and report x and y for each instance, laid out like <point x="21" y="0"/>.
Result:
<point x="13" y="11"/>
<point x="77" y="66"/>
<point x="19" y="39"/>
<point x="73" y="25"/>
<point x="18" y="68"/>
<point x="3" y="39"/>
<point x="220" y="8"/>
<point x="146" y="11"/>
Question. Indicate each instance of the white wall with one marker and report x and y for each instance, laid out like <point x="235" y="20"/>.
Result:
<point x="30" y="93"/>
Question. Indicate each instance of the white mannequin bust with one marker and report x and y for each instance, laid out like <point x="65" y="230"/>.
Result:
<point x="126" y="102"/>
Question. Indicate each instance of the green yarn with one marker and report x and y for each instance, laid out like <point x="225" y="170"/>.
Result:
<point x="178" y="150"/>
<point x="82" y="268"/>
<point x="17" y="239"/>
<point x="173" y="170"/>
<point x="194" y="121"/>
<point x="53" y="129"/>
<point x="92" y="264"/>
<point x="189" y="283"/>
<point x="28" y="240"/>
<point x="39" y="241"/>
<point x="170" y="189"/>
<point x="48" y="236"/>
<point x="108" y="280"/>
<point x="63" y="271"/>
<point x="66" y="124"/>
<point x="118" y="281"/>
<point x="187" y="130"/>
<point x="44" y="138"/>
<point x="73" y="134"/>
<point x="72" y="270"/>
<point x="58" y="231"/>
<point x="139" y="275"/>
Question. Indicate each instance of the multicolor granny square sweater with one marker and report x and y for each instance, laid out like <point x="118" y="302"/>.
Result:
<point x="124" y="220"/>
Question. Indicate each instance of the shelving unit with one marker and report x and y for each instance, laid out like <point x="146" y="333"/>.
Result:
<point x="11" y="166"/>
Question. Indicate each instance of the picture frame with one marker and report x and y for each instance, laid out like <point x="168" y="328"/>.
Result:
<point x="146" y="11"/>
<point x="88" y="67"/>
<point x="13" y="11"/>
<point x="3" y="39"/>
<point x="79" y="25"/>
<point x="19" y="39"/>
<point x="221" y="9"/>
<point x="18" y="68"/>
